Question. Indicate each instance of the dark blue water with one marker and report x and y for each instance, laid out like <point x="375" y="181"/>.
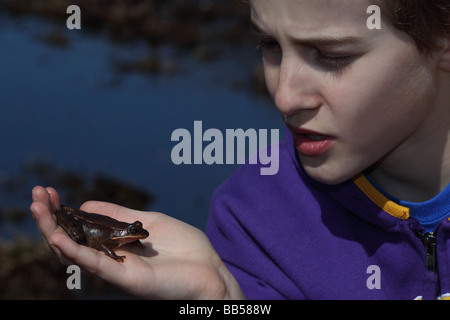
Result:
<point x="69" y="106"/>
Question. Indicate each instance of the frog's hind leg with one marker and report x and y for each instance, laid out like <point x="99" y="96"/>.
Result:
<point x="76" y="233"/>
<point x="111" y="253"/>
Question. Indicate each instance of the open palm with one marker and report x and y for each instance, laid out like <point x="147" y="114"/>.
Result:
<point x="177" y="260"/>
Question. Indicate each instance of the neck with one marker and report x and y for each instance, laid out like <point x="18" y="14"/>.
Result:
<point x="419" y="168"/>
<point x="416" y="180"/>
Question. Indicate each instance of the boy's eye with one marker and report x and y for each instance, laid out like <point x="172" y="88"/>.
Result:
<point x="333" y="62"/>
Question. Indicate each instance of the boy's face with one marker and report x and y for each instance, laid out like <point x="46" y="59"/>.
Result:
<point x="351" y="96"/>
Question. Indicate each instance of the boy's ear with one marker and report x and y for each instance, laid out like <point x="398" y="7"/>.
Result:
<point x="444" y="62"/>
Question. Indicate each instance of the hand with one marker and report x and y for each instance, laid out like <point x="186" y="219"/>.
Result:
<point x="176" y="262"/>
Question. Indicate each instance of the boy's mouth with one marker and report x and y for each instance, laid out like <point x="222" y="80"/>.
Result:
<point x="315" y="137"/>
<point x="311" y="143"/>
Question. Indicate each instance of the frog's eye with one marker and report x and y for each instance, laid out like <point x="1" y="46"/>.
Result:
<point x="133" y="229"/>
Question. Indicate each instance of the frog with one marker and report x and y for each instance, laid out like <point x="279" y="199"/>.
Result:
<point x="99" y="231"/>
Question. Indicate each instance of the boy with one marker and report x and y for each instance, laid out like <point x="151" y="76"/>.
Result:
<point x="368" y="111"/>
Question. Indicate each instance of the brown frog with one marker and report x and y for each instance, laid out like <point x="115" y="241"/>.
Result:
<point x="99" y="232"/>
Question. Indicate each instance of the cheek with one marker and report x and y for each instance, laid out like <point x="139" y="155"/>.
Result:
<point x="375" y="102"/>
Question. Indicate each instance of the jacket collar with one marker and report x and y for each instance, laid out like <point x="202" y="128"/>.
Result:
<point x="357" y="195"/>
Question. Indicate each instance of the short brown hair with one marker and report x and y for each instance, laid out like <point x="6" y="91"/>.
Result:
<point x="426" y="21"/>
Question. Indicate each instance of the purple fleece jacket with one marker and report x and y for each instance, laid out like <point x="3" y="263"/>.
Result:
<point x="287" y="236"/>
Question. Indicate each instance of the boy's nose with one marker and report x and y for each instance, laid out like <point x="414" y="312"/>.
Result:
<point x="296" y="90"/>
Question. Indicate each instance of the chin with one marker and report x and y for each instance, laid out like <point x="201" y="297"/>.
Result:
<point x="327" y="175"/>
<point x="332" y="169"/>
<point x="329" y="180"/>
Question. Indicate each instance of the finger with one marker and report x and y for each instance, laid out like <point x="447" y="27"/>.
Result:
<point x="45" y="223"/>
<point x="89" y="259"/>
<point x="40" y="209"/>
<point x="40" y="194"/>
<point x="55" y="202"/>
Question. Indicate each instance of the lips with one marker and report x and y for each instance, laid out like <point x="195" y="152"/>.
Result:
<point x="311" y="143"/>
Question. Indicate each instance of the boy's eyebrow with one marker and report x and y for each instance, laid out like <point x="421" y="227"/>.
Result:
<point x="314" y="41"/>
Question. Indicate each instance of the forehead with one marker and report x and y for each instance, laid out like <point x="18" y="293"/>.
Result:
<point x="311" y="16"/>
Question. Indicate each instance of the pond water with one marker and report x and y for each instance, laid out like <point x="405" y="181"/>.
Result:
<point x="69" y="106"/>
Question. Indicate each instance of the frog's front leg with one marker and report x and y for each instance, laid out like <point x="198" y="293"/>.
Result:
<point x="136" y="244"/>
<point x="111" y="253"/>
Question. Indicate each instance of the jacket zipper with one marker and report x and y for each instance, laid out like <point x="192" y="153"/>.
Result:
<point x="429" y="241"/>
<point x="431" y="277"/>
